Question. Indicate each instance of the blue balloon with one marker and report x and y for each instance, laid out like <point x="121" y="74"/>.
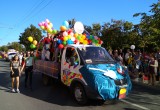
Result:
<point x="59" y="41"/>
<point x="66" y="24"/>
<point x="69" y="42"/>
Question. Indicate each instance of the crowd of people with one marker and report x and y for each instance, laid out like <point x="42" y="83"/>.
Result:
<point x="145" y="66"/>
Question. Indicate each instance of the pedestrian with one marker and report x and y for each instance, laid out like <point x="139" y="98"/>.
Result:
<point x="158" y="58"/>
<point x="28" y="65"/>
<point x="15" y="72"/>
<point x="153" y="70"/>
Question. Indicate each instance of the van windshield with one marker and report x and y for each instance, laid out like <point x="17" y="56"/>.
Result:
<point x="95" y="55"/>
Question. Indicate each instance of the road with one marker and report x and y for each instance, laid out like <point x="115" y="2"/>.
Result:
<point x="57" y="97"/>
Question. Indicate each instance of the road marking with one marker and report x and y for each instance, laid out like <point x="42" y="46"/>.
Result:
<point x="136" y="105"/>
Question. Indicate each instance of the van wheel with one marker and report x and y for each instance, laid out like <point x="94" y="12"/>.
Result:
<point x="45" y="79"/>
<point x="79" y="94"/>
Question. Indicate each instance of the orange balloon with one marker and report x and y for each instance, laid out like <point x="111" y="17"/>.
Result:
<point x="63" y="28"/>
<point x="35" y="42"/>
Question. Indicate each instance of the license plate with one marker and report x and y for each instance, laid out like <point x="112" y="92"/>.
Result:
<point x="122" y="93"/>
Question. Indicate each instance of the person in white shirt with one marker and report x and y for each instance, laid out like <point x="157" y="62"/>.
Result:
<point x="28" y="69"/>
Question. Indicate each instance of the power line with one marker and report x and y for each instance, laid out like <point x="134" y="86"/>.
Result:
<point x="40" y="9"/>
<point x="31" y="11"/>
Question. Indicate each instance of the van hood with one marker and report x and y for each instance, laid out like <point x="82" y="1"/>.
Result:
<point x="101" y="78"/>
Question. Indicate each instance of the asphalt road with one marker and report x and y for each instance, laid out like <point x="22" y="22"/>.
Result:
<point x="57" y="96"/>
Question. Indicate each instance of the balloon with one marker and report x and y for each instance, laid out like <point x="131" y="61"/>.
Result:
<point x="78" y="27"/>
<point x="85" y="42"/>
<point x="73" y="38"/>
<point x="95" y="37"/>
<point x="64" y="43"/>
<point x="132" y="46"/>
<point x="46" y="24"/>
<point x="66" y="24"/>
<point x="47" y="21"/>
<point x="78" y="37"/>
<point x="83" y="37"/>
<point x="69" y="31"/>
<point x="69" y="36"/>
<point x="59" y="41"/>
<point x="30" y="38"/>
<point x="49" y="30"/>
<point x="76" y="41"/>
<point x="54" y="31"/>
<point x="69" y="42"/>
<point x="72" y="34"/>
<point x="51" y="25"/>
<point x="65" y="38"/>
<point x="32" y="46"/>
<point x="81" y="40"/>
<point x="75" y="35"/>
<point x="65" y="33"/>
<point x="42" y="27"/>
<point x="35" y="42"/>
<point x="60" y="46"/>
<point x="39" y="24"/>
<point x="63" y="28"/>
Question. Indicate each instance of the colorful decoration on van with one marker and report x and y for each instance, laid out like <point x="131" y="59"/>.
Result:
<point x="68" y="35"/>
<point x="67" y="77"/>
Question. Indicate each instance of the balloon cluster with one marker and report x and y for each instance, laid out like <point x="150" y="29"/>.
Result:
<point x="47" y="26"/>
<point x="33" y="42"/>
<point x="74" y="38"/>
<point x="71" y="36"/>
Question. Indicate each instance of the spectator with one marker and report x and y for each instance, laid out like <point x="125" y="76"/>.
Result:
<point x="158" y="58"/>
<point x="127" y="56"/>
<point x="153" y="70"/>
<point x="15" y="72"/>
<point x="28" y="69"/>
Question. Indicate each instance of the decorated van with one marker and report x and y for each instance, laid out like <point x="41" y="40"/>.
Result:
<point x="89" y="71"/>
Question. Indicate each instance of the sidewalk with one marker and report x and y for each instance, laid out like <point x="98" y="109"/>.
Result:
<point x="139" y="82"/>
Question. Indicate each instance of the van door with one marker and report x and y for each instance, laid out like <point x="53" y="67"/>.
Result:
<point x="70" y="65"/>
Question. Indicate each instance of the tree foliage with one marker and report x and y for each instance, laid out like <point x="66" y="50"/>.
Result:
<point x="30" y="31"/>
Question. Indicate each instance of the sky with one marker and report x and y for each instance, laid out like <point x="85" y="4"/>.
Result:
<point x="17" y="15"/>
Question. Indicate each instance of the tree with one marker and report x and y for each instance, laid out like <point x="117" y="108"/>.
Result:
<point x="30" y="31"/>
<point x="149" y="28"/>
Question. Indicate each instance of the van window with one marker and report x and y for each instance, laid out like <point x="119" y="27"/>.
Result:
<point x="71" y="56"/>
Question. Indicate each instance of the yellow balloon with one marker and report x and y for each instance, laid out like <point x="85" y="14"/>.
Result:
<point x="69" y="36"/>
<point x="49" y="30"/>
<point x="30" y="38"/>
<point x="81" y="40"/>
<point x="85" y="42"/>
<point x="83" y="36"/>
<point x="65" y="38"/>
<point x="35" y="42"/>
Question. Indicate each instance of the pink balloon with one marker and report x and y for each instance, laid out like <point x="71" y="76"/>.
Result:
<point x="72" y="34"/>
<point x="39" y="24"/>
<point x="65" y="33"/>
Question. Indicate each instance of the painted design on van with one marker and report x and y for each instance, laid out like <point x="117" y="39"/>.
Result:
<point x="68" y="76"/>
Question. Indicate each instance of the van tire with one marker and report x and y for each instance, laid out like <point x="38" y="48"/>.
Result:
<point x="79" y="94"/>
<point x="45" y="79"/>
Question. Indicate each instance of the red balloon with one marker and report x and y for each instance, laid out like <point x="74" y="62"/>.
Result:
<point x="60" y="46"/>
<point x="89" y="41"/>
<point x="75" y="41"/>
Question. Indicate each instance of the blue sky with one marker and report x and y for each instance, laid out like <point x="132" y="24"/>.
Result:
<point x="17" y="15"/>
